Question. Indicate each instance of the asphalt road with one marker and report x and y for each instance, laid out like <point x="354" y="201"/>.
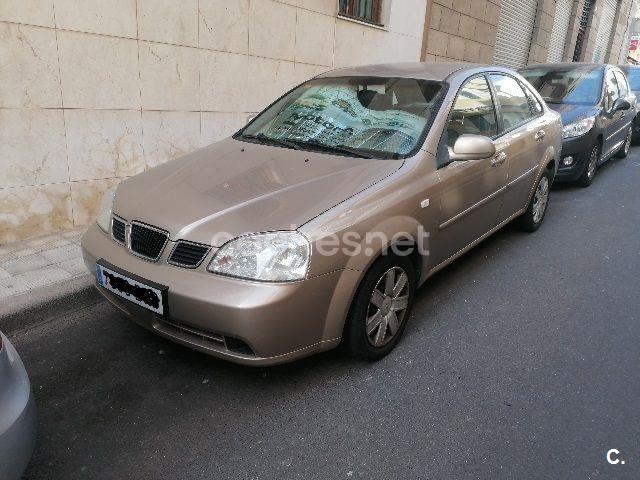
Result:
<point x="521" y="361"/>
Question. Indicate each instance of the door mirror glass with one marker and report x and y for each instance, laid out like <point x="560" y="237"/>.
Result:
<point x="621" y="104"/>
<point x="472" y="147"/>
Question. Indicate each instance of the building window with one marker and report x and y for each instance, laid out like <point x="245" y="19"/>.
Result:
<point x="369" y="11"/>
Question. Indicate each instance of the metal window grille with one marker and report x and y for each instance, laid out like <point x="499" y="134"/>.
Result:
<point x="582" y="29"/>
<point x="369" y="11"/>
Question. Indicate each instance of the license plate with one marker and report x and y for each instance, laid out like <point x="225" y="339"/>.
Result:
<point x="137" y="290"/>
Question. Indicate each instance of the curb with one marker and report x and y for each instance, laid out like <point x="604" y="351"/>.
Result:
<point x="43" y="305"/>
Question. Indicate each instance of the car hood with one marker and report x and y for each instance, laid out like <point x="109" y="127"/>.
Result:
<point x="571" y="113"/>
<point x="232" y="188"/>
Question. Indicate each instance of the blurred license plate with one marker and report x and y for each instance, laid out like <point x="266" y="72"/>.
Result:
<point x="137" y="290"/>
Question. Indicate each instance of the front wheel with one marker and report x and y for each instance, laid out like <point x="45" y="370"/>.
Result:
<point x="590" y="168"/>
<point x="624" y="150"/>
<point x="532" y="218"/>
<point x="381" y="308"/>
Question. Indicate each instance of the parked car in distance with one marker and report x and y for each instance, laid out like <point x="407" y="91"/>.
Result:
<point x="597" y="108"/>
<point x="379" y="154"/>
<point x="17" y="414"/>
<point x="633" y="75"/>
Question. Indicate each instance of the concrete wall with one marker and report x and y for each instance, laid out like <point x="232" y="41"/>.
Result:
<point x="462" y="30"/>
<point x="466" y="30"/>
<point x="94" y="91"/>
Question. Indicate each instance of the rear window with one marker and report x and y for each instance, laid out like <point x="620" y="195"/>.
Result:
<point x="633" y="74"/>
<point x="576" y="86"/>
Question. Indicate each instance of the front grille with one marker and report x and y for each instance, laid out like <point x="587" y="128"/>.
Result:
<point x="118" y="228"/>
<point x="147" y="241"/>
<point x="188" y="255"/>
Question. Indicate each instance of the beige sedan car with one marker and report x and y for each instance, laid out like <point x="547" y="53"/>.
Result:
<point x="315" y="224"/>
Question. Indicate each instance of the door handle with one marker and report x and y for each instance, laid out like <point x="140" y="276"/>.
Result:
<point x="499" y="159"/>
<point x="540" y="135"/>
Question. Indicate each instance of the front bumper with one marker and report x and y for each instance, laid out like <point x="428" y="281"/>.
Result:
<point x="17" y="414"/>
<point x="578" y="148"/>
<point x="222" y="316"/>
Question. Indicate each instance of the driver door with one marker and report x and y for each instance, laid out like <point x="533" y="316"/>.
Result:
<point x="470" y="192"/>
<point x="613" y="121"/>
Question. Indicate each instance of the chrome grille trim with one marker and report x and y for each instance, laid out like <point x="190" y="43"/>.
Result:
<point x="147" y="227"/>
<point x="114" y="219"/>
<point x="205" y="248"/>
<point x="127" y="236"/>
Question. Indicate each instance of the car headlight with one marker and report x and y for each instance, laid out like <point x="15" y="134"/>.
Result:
<point x="267" y="257"/>
<point x="104" y="217"/>
<point x="579" y="128"/>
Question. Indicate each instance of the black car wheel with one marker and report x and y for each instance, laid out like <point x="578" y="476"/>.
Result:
<point x="381" y="308"/>
<point x="590" y="168"/>
<point x="624" y="150"/>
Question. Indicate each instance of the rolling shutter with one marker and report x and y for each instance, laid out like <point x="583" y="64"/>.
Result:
<point x="560" y="29"/>
<point x="605" y="27"/>
<point x="515" y="28"/>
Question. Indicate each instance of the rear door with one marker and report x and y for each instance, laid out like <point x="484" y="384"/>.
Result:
<point x="521" y="140"/>
<point x="470" y="191"/>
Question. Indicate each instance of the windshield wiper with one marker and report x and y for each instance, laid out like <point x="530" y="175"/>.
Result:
<point x="315" y="144"/>
<point x="273" y="141"/>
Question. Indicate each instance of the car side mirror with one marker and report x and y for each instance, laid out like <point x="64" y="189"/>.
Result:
<point x="472" y="147"/>
<point x="620" y="104"/>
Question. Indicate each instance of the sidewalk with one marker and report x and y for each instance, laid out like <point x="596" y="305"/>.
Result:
<point x="42" y="278"/>
<point x="40" y="262"/>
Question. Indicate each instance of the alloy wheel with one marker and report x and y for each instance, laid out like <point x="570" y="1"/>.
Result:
<point x="387" y="307"/>
<point x="540" y="199"/>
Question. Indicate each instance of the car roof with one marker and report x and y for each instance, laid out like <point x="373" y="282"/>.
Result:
<point x="565" y="65"/>
<point x="417" y="70"/>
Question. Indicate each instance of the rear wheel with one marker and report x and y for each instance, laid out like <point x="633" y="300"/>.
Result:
<point x="590" y="168"/>
<point x="381" y="308"/>
<point x="624" y="150"/>
<point x="531" y="220"/>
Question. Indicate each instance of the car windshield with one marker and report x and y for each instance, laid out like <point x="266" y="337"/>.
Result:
<point x="367" y="117"/>
<point x="633" y="74"/>
<point x="576" y="86"/>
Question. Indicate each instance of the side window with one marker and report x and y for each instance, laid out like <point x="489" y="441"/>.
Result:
<point x="473" y="112"/>
<point x="623" y="86"/>
<point x="513" y="102"/>
<point x="536" y="107"/>
<point x="611" y="92"/>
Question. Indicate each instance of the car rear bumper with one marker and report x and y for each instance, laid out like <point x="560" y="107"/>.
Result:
<point x="17" y="415"/>
<point x="245" y="322"/>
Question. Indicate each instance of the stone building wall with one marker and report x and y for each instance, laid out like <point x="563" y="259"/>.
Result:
<point x="94" y="91"/>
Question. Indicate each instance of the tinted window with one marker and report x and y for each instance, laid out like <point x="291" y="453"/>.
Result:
<point x="513" y="102"/>
<point x="622" y="84"/>
<point x="473" y="112"/>
<point x="576" y="86"/>
<point x="378" y="117"/>
<point x="611" y="91"/>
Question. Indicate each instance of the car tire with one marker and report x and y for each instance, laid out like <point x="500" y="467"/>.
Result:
<point x="590" y="168"/>
<point x="369" y="332"/>
<point x="533" y="217"/>
<point x="626" y="146"/>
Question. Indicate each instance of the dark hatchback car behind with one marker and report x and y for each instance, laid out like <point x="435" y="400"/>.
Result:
<point x="597" y="108"/>
<point x="633" y="75"/>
